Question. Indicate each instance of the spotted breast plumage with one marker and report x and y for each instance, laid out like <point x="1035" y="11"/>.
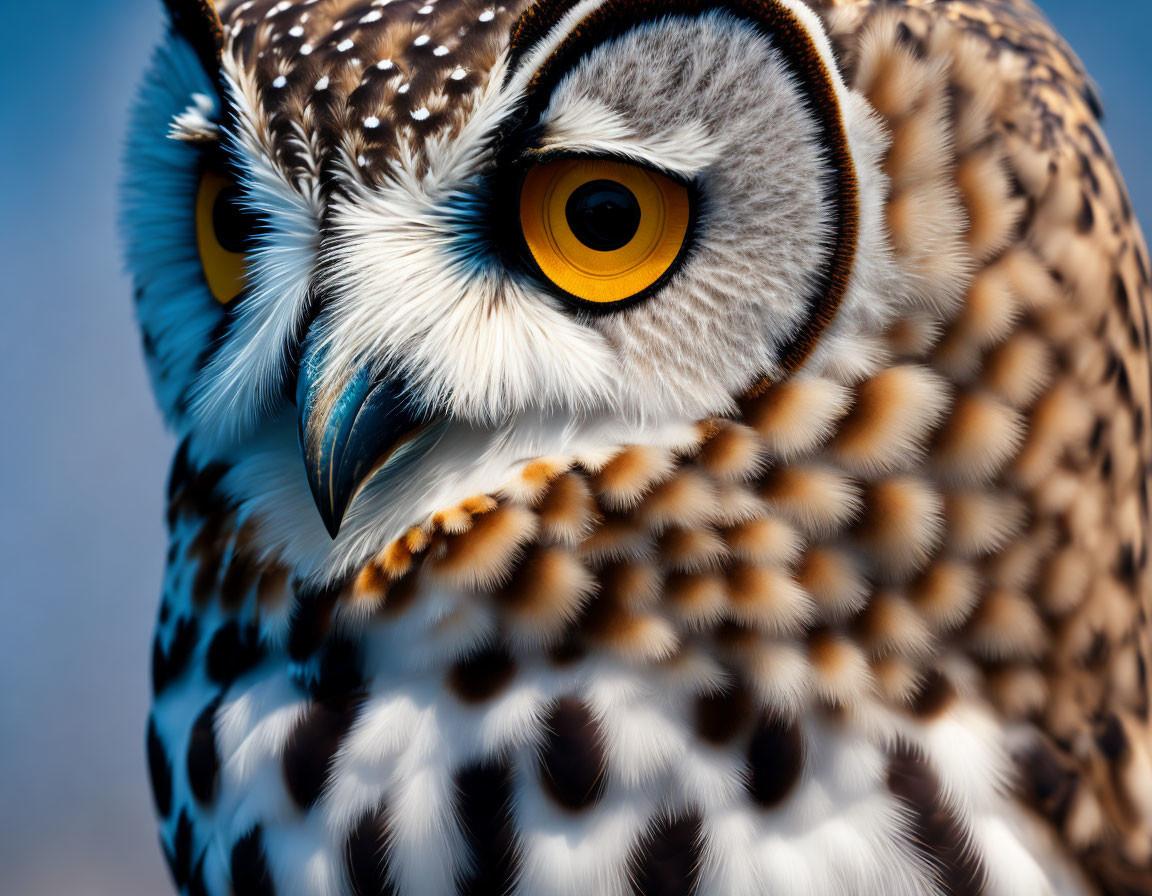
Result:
<point x="725" y="434"/>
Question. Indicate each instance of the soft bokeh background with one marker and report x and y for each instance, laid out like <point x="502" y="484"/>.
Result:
<point x="83" y="456"/>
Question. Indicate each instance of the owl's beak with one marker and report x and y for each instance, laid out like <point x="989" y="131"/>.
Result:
<point x="345" y="436"/>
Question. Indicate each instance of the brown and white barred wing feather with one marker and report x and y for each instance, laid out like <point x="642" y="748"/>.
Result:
<point x="1055" y="327"/>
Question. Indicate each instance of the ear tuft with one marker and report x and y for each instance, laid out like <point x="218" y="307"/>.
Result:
<point x="198" y="23"/>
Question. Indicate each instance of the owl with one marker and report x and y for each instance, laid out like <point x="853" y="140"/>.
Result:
<point x="644" y="447"/>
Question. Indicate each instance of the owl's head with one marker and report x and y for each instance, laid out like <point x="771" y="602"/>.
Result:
<point x="422" y="242"/>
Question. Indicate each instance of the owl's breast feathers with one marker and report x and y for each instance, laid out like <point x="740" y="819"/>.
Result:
<point x="887" y="635"/>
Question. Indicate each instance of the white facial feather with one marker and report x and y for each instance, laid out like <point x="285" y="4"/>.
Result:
<point x="585" y="124"/>
<point x="241" y="384"/>
<point x="410" y="293"/>
<point x="197" y="122"/>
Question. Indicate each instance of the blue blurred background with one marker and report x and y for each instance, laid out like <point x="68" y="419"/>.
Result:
<point x="83" y="456"/>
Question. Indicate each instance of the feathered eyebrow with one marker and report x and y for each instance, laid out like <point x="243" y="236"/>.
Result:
<point x="198" y="122"/>
<point x="585" y="127"/>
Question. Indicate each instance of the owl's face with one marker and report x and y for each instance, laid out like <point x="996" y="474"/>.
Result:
<point x="425" y="243"/>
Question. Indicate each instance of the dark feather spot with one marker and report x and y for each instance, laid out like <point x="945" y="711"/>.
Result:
<point x="311" y="747"/>
<point x="667" y="860"/>
<point x="179" y="854"/>
<point x="1111" y="738"/>
<point x="196" y="885"/>
<point x="311" y="618"/>
<point x="338" y="675"/>
<point x="1092" y="98"/>
<point x="1088" y="173"/>
<point x="272" y="587"/>
<point x="1096" y="439"/>
<point x="570" y="649"/>
<point x="572" y="760"/>
<point x="1126" y="566"/>
<point x="1086" y="218"/>
<point x="169" y="861"/>
<point x="721" y="715"/>
<point x="483" y="806"/>
<point x="239" y="578"/>
<point x="250" y="875"/>
<point x="203" y="760"/>
<point x="181" y="470"/>
<point x="481" y="676"/>
<point x="160" y="771"/>
<point x="775" y="760"/>
<point x="933" y="829"/>
<point x="234" y="651"/>
<point x="207" y="574"/>
<point x="933" y="695"/>
<point x="1120" y="293"/>
<point x="1048" y="783"/>
<point x="195" y="493"/>
<point x="1142" y="680"/>
<point x="168" y="665"/>
<point x="366" y="856"/>
<point x="907" y="38"/>
<point x="1123" y="383"/>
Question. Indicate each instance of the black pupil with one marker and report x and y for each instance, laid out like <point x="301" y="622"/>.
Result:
<point x="231" y="221"/>
<point x="604" y="215"/>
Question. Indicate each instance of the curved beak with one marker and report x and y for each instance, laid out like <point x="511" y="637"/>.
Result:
<point x="345" y="436"/>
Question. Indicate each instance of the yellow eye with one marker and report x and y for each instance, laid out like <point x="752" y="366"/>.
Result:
<point x="603" y="231"/>
<point x="223" y="230"/>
